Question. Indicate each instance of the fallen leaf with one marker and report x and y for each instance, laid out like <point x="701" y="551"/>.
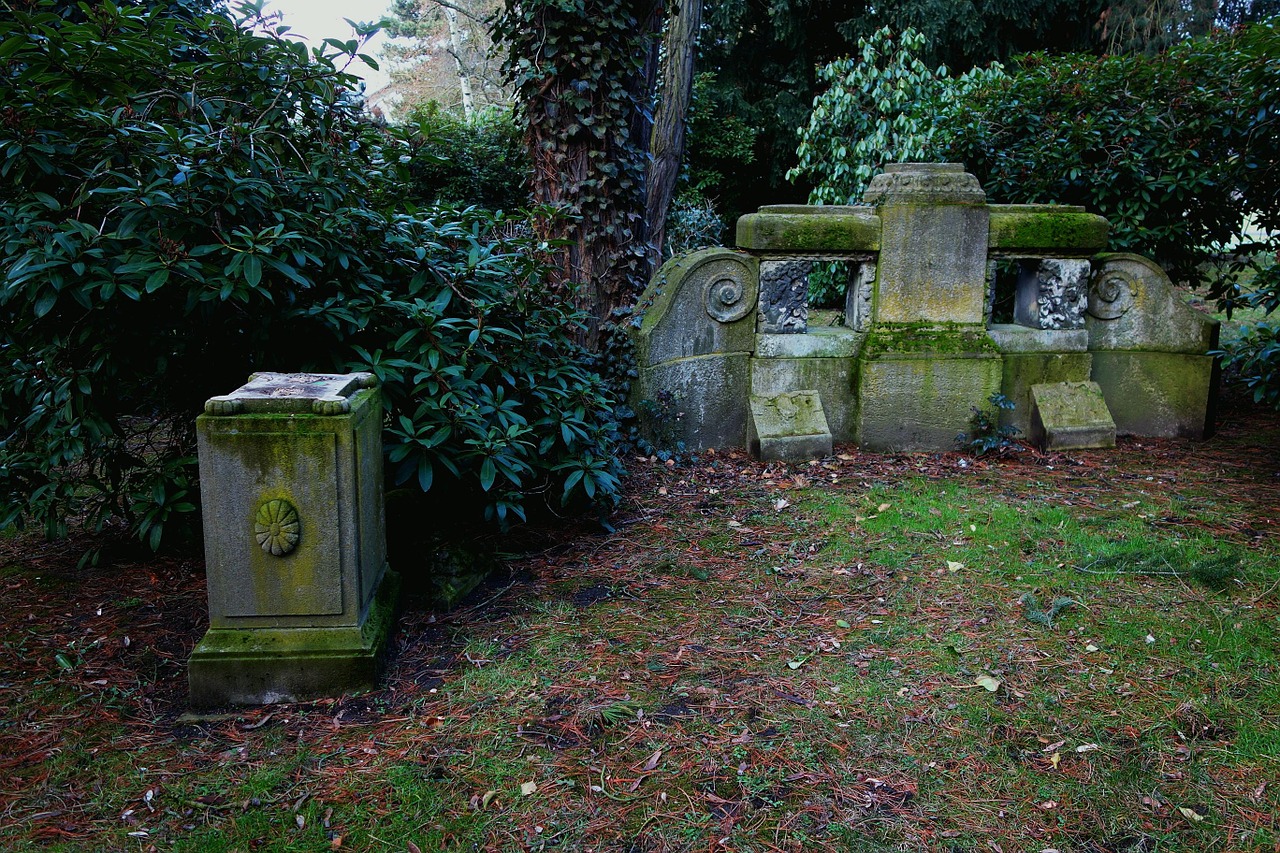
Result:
<point x="413" y="848"/>
<point x="840" y="623"/>
<point x="487" y="798"/>
<point x="795" y="664"/>
<point x="733" y="523"/>
<point x="1087" y="747"/>
<point x="1055" y="759"/>
<point x="953" y="566"/>
<point x="781" y="503"/>
<point x="883" y="507"/>
<point x="528" y="788"/>
<point x="991" y="684"/>
<point x="1091" y="648"/>
<point x="652" y="762"/>
<point x="1191" y="814"/>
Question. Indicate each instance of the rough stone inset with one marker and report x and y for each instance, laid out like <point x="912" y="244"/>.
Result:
<point x="1071" y="415"/>
<point x="789" y="427"/>
<point x="277" y="527"/>
<point x="784" y="297"/>
<point x="1052" y="293"/>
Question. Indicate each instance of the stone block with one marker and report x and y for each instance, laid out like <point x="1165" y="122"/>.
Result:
<point x="1070" y="415"/>
<point x="817" y="342"/>
<point x="700" y="402"/>
<point x="831" y="377"/>
<point x="784" y="296"/>
<point x="1158" y="394"/>
<point x="921" y="398"/>
<point x="1039" y="229"/>
<point x="1133" y="306"/>
<point x="295" y="544"/>
<point x="801" y="228"/>
<point x="933" y="244"/>
<point x="788" y="427"/>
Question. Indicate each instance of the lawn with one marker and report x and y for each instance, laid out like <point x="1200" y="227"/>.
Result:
<point x="1072" y="651"/>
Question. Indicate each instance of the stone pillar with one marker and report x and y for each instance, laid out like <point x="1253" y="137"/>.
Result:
<point x="928" y="358"/>
<point x="300" y="597"/>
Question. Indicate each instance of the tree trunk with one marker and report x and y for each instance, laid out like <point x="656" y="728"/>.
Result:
<point x="456" y="48"/>
<point x="670" y="120"/>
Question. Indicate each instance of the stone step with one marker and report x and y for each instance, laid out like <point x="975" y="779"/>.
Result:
<point x="789" y="427"/>
<point x="1070" y="415"/>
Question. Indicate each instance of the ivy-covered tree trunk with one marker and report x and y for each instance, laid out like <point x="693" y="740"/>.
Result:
<point x="583" y="75"/>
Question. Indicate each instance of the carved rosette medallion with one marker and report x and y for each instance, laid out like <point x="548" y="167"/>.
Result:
<point x="276" y="527"/>
<point x="727" y="299"/>
<point x="1111" y="294"/>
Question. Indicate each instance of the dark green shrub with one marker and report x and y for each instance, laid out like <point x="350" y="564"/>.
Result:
<point x="458" y="162"/>
<point x="184" y="200"/>
<point x="1176" y="150"/>
<point x="1253" y="360"/>
<point x="986" y="434"/>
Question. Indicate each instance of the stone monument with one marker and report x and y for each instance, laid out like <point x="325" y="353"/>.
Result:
<point x="725" y="336"/>
<point x="300" y="597"/>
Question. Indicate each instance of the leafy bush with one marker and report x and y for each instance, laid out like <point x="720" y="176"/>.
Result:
<point x="692" y="223"/>
<point x="459" y="162"/>
<point x="1176" y="150"/>
<point x="185" y="200"/>
<point x="1253" y="360"/>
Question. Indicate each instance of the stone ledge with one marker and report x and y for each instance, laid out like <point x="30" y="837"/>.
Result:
<point x="1011" y="338"/>
<point x="817" y="342"/>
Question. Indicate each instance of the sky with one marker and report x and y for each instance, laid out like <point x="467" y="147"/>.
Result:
<point x="317" y="20"/>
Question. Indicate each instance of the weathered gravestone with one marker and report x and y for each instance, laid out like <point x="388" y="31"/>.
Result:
<point x="918" y="348"/>
<point x="300" y="597"/>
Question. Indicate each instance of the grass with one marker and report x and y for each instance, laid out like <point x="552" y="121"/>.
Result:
<point x="840" y="656"/>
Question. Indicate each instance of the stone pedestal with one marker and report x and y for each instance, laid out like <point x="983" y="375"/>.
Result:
<point x="789" y="427"/>
<point x="300" y="597"/>
<point x="928" y="359"/>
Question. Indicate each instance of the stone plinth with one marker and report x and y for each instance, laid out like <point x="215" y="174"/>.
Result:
<point x="300" y="598"/>
<point x="1070" y="415"/>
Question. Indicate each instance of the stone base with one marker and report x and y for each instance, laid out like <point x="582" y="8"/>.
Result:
<point x="789" y="427"/>
<point x="1070" y="415"/>
<point x="1159" y="394"/>
<point x="923" y="399"/>
<point x="262" y="666"/>
<point x="705" y="404"/>
<point x="832" y="378"/>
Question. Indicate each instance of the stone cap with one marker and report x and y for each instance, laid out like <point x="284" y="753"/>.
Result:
<point x="292" y="393"/>
<point x="924" y="183"/>
<point x="802" y="228"/>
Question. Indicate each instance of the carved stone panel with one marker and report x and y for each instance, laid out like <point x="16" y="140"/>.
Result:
<point x="784" y="297"/>
<point x="1052" y="293"/>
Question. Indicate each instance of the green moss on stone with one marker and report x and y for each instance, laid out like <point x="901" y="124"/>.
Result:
<point x="792" y="232"/>
<point x="1044" y="229"/>
<point x="929" y="338"/>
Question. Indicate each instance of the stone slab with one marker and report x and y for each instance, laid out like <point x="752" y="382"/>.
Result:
<point x="804" y="228"/>
<point x="789" y="427"/>
<point x="1133" y="306"/>
<point x="1011" y="338"/>
<point x="1070" y="415"/>
<point x="247" y="666"/>
<point x="817" y="342"/>
<point x="1055" y="230"/>
<point x="1022" y="370"/>
<point x="297" y="393"/>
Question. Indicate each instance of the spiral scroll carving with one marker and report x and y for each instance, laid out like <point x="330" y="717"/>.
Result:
<point x="1111" y="294"/>
<point x="277" y="527"/>
<point x="728" y="298"/>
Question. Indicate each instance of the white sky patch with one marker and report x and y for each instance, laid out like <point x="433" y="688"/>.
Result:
<point x="316" y="20"/>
